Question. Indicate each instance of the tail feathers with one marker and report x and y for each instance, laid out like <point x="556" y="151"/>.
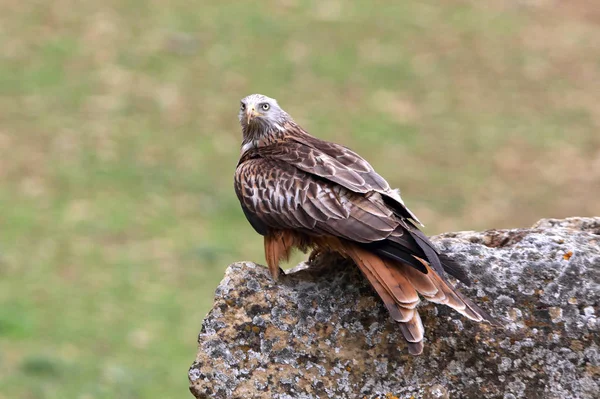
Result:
<point x="446" y="294"/>
<point x="397" y="293"/>
<point x="386" y="275"/>
<point x="413" y="332"/>
<point x="399" y="284"/>
<point x="397" y="312"/>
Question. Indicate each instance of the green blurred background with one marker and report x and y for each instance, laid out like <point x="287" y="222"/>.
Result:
<point x="119" y="139"/>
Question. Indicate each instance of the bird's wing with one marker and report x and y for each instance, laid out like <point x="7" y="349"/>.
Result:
<point x="276" y="195"/>
<point x="336" y="163"/>
<point x="280" y="197"/>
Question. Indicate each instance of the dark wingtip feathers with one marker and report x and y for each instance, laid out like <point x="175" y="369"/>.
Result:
<point x="454" y="269"/>
<point x="472" y="307"/>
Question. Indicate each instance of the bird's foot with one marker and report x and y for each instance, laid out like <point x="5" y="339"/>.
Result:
<point x="314" y="256"/>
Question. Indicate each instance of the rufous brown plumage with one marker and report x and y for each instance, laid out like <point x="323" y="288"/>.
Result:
<point x="302" y="192"/>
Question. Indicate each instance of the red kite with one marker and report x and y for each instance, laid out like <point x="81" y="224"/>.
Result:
<point x="302" y="192"/>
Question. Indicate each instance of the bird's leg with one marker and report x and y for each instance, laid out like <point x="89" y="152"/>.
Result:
<point x="322" y="257"/>
<point x="325" y="252"/>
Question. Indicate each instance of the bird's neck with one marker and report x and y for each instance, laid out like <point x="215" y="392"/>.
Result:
<point x="260" y="136"/>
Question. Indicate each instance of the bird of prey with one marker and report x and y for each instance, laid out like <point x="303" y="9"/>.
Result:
<point x="302" y="192"/>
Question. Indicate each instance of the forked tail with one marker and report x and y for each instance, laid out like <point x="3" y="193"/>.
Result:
<point x="399" y="286"/>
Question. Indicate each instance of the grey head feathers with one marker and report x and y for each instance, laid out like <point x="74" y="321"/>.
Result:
<point x="261" y="116"/>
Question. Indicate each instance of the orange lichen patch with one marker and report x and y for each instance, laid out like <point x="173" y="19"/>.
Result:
<point x="567" y="255"/>
<point x="572" y="301"/>
<point x="244" y="348"/>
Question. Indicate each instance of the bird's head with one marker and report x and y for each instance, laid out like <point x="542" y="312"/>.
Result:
<point x="260" y="116"/>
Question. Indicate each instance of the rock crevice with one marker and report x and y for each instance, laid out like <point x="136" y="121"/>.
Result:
<point x="321" y="332"/>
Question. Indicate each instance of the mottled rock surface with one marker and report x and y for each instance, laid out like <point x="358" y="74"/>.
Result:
<point x="322" y="333"/>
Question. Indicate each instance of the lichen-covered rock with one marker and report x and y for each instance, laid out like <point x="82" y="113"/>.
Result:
<point x="321" y="332"/>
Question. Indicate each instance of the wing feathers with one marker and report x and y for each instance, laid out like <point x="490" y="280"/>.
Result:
<point x="384" y="214"/>
<point x="330" y="202"/>
<point x="293" y="199"/>
<point x="428" y="248"/>
<point x="316" y="210"/>
<point x="333" y="162"/>
<point x="454" y="269"/>
<point x="323" y="190"/>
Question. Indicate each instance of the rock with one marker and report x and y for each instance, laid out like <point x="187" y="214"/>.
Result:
<point x="321" y="332"/>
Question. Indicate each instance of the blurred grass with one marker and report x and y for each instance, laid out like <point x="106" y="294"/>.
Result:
<point x="118" y="142"/>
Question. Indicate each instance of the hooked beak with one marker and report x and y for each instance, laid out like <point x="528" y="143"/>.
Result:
<point x="251" y="113"/>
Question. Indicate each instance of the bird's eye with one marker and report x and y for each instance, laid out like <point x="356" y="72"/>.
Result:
<point x="242" y="106"/>
<point x="265" y="106"/>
